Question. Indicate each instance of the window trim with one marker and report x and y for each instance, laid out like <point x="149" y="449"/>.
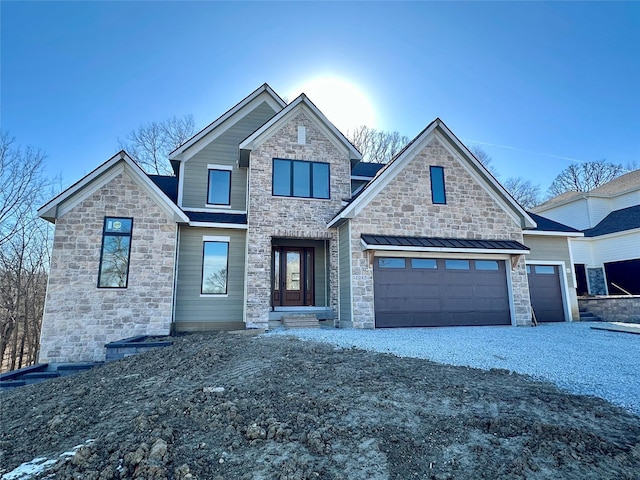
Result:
<point x="292" y="175"/>
<point x="115" y="234"/>
<point x="433" y="168"/>
<point x="215" y="239"/>
<point x="221" y="168"/>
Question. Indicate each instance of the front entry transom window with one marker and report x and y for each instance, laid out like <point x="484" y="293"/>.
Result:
<point x="293" y="276"/>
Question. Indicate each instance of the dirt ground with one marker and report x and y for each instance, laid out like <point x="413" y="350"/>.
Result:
<point x="222" y="406"/>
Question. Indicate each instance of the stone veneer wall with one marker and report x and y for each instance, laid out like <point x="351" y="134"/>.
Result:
<point x="288" y="217"/>
<point x="613" y="308"/>
<point x="79" y="318"/>
<point x="404" y="208"/>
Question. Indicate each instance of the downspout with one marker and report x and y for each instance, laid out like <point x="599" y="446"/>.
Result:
<point x="175" y="280"/>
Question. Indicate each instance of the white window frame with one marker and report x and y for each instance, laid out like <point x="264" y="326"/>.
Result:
<point x="228" y="168"/>
<point x="221" y="239"/>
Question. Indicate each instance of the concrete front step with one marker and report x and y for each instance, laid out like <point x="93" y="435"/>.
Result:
<point x="300" y="321"/>
<point x="589" y="317"/>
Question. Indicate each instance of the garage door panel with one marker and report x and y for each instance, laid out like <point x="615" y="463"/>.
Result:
<point x="462" y="294"/>
<point x="545" y="292"/>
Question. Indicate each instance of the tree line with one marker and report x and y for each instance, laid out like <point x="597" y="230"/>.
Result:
<point x="26" y="240"/>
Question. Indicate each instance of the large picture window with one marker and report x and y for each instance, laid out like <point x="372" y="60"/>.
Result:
<point x="116" y="249"/>
<point x="298" y="178"/>
<point x="219" y="186"/>
<point x="215" y="265"/>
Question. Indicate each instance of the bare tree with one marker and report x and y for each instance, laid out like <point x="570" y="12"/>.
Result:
<point x="21" y="181"/>
<point x="150" y="144"/>
<point x="524" y="191"/>
<point x="376" y="146"/>
<point x="584" y="177"/>
<point x="485" y="159"/>
<point x="24" y="253"/>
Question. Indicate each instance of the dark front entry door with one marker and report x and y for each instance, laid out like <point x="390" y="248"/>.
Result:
<point x="293" y="276"/>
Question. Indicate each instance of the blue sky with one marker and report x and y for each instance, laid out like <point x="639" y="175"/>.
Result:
<point x="536" y="85"/>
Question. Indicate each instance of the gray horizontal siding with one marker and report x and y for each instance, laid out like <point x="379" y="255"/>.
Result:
<point x="545" y="248"/>
<point x="344" y="265"/>
<point x="209" y="310"/>
<point x="223" y="151"/>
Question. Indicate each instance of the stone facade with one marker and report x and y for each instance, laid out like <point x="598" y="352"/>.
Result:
<point x="288" y="217"/>
<point x="597" y="285"/>
<point x="404" y="208"/>
<point x="613" y="308"/>
<point x="79" y="318"/>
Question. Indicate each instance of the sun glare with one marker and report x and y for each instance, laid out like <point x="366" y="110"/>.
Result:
<point x="345" y="104"/>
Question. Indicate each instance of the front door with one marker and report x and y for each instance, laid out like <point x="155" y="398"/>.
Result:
<point x="292" y="276"/>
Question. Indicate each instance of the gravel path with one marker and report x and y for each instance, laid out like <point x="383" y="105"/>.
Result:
<point x="571" y="355"/>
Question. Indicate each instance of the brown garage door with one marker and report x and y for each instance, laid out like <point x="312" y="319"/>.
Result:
<point x="545" y="292"/>
<point x="423" y="292"/>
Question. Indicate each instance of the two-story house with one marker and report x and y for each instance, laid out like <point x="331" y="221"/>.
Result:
<point x="607" y="256"/>
<point x="263" y="219"/>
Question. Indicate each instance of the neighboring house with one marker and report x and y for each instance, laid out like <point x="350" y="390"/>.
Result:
<point x="265" y="217"/>
<point x="607" y="257"/>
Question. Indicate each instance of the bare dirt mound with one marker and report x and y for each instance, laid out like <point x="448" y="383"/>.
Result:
<point x="222" y="406"/>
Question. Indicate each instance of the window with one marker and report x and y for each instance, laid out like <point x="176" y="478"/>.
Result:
<point x="219" y="186"/>
<point x="438" y="195"/>
<point x="545" y="269"/>
<point x="114" y="256"/>
<point x="297" y="178"/>
<point x="215" y="262"/>
<point x="424" y="263"/>
<point x="486" y="265"/>
<point x="391" y="262"/>
<point x="456" y="264"/>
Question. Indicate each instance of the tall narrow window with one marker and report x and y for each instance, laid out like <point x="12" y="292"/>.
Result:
<point x="116" y="249"/>
<point x="219" y="186"/>
<point x="215" y="264"/>
<point x="438" y="194"/>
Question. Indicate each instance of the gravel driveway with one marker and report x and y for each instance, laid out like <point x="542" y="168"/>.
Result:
<point x="571" y="355"/>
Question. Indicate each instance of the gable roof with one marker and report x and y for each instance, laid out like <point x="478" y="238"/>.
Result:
<point x="300" y="103"/>
<point x="618" y="186"/>
<point x="182" y="152"/>
<point x="397" y="163"/>
<point x="617" y="221"/>
<point x="87" y="185"/>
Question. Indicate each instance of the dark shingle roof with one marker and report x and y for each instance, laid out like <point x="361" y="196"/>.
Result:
<point x="547" y="225"/>
<point x="388" y="240"/>
<point x="168" y="185"/>
<point x="617" y="221"/>
<point x="236" y="218"/>
<point x="366" y="169"/>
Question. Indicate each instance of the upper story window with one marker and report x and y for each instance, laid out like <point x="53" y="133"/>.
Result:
<point x="438" y="193"/>
<point x="219" y="185"/>
<point x="298" y="178"/>
<point x="114" y="256"/>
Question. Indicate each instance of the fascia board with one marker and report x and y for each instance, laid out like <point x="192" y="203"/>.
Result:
<point x="614" y="234"/>
<point x="219" y="127"/>
<point x="49" y="209"/>
<point x="158" y="195"/>
<point x="254" y="140"/>
<point x="399" y="248"/>
<point x="388" y="174"/>
<point x="529" y="222"/>
<point x="546" y="233"/>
